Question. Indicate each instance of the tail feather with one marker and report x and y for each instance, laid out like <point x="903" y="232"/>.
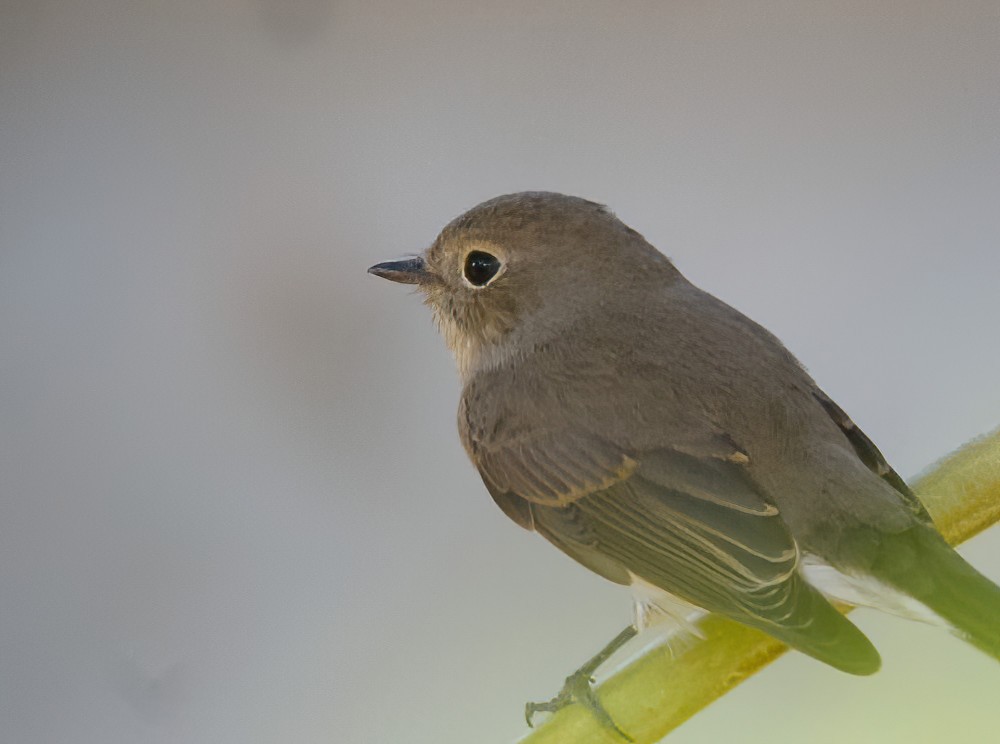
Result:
<point x="968" y="601"/>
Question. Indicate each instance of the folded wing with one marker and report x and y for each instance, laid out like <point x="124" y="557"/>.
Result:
<point x="687" y="518"/>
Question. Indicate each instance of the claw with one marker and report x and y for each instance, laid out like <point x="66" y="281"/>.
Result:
<point x="578" y="688"/>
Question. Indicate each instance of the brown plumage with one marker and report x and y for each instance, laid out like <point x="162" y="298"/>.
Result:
<point x="647" y="429"/>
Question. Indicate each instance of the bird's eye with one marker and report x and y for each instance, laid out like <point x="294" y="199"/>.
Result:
<point x="480" y="267"/>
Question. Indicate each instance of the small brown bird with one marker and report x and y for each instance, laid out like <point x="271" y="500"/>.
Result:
<point x="664" y="440"/>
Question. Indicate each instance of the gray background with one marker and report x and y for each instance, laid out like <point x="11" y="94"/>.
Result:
<point x="233" y="506"/>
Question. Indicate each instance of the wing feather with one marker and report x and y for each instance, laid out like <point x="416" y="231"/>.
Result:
<point x="698" y="527"/>
<point x="870" y="455"/>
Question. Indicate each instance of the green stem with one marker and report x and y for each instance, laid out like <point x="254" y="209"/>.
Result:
<point x="659" y="691"/>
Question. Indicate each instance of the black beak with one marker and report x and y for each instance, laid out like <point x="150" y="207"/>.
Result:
<point x="407" y="271"/>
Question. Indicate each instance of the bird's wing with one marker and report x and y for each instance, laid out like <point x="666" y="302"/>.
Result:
<point x="869" y="454"/>
<point x="688" y="519"/>
<point x="696" y="523"/>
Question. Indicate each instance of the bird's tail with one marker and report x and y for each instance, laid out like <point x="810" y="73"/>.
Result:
<point x="965" y="599"/>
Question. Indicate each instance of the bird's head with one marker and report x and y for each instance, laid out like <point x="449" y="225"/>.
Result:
<point x="517" y="269"/>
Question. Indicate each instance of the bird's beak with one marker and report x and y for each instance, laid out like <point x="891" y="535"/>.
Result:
<point x="406" y="271"/>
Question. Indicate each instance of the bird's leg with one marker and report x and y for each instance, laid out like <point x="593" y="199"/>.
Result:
<point x="578" y="689"/>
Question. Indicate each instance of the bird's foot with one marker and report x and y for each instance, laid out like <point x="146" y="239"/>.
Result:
<point x="579" y="689"/>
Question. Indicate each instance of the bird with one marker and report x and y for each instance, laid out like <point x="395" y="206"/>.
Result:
<point x="667" y="442"/>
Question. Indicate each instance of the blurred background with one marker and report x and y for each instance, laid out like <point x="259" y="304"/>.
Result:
<point x="233" y="504"/>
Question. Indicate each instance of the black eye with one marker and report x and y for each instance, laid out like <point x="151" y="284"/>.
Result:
<point x="480" y="267"/>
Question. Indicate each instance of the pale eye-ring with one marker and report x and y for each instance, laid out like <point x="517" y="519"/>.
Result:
<point x="480" y="268"/>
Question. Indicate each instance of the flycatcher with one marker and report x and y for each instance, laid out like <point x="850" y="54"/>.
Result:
<point x="666" y="441"/>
